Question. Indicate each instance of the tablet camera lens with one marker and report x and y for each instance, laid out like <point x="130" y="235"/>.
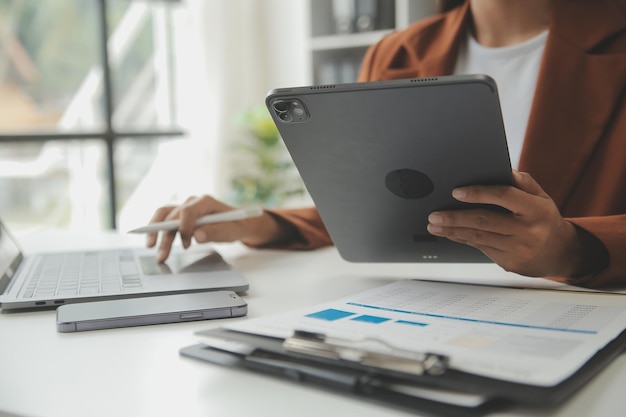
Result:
<point x="280" y="106"/>
<point x="291" y="110"/>
<point x="285" y="116"/>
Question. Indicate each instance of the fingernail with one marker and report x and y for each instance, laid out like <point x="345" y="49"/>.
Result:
<point x="200" y="236"/>
<point x="459" y="193"/>
<point x="434" y="229"/>
<point x="435" y="219"/>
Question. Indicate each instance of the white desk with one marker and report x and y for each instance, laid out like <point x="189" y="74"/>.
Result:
<point x="138" y="371"/>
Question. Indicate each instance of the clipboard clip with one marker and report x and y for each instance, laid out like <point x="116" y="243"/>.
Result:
<point x="369" y="352"/>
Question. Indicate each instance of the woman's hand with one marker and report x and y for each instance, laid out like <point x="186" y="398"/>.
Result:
<point x="253" y="231"/>
<point x="532" y="239"/>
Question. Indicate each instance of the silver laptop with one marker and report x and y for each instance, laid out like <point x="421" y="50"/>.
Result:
<point x="47" y="280"/>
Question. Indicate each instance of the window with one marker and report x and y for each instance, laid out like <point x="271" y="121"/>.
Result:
<point x="87" y="91"/>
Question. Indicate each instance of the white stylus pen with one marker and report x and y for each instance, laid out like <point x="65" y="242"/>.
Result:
<point x="226" y="216"/>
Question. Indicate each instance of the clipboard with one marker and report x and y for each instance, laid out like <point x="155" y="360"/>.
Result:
<point x="383" y="384"/>
<point x="270" y="359"/>
<point x="403" y="354"/>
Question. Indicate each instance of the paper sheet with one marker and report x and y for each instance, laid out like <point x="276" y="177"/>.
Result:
<point x="537" y="337"/>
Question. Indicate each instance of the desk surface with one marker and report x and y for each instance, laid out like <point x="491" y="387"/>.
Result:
<point x="138" y="371"/>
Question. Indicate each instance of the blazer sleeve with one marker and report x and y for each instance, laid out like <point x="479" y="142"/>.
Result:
<point x="307" y="223"/>
<point x="611" y="231"/>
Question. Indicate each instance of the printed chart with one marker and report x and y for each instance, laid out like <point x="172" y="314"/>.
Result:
<point x="530" y="336"/>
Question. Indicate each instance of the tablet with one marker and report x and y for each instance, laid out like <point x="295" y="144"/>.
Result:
<point x="377" y="158"/>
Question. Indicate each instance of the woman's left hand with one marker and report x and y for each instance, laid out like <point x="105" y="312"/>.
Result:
<point x="531" y="239"/>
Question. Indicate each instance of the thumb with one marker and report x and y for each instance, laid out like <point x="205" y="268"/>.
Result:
<point x="526" y="183"/>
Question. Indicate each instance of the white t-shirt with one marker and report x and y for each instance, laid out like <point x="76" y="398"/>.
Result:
<point x="515" y="70"/>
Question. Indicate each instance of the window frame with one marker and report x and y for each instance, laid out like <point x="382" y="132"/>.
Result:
<point x="109" y="134"/>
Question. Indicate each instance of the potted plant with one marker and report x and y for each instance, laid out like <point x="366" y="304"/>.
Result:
<point x="265" y="174"/>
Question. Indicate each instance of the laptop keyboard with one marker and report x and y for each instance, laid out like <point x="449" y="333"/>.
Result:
<point x="88" y="273"/>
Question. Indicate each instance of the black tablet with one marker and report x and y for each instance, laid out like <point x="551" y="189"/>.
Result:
<point x="377" y="158"/>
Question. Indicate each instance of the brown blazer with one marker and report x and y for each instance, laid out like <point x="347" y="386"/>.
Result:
<point x="575" y="144"/>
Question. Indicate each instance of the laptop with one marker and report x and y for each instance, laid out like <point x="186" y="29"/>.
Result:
<point x="47" y="280"/>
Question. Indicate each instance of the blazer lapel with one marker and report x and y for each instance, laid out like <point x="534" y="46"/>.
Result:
<point x="441" y="59"/>
<point x="577" y="91"/>
<point x="432" y="52"/>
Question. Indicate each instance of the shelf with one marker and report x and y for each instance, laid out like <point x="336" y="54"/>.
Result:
<point x="336" y="57"/>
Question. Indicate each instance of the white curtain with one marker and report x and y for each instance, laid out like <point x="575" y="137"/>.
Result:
<point x="228" y="54"/>
<point x="237" y="51"/>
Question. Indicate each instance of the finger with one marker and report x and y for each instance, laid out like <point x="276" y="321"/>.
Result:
<point x="192" y="210"/>
<point x="493" y="253"/>
<point x="158" y="216"/>
<point x="514" y="199"/>
<point x="167" y="237"/>
<point x="504" y="196"/>
<point x="478" y="219"/>
<point x="188" y="213"/>
<point x="473" y="237"/>
<point x="525" y="182"/>
<point x="167" y="240"/>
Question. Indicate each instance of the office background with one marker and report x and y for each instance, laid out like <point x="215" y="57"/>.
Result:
<point x="111" y="108"/>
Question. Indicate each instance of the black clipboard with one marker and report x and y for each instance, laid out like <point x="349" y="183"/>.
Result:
<point x="270" y="356"/>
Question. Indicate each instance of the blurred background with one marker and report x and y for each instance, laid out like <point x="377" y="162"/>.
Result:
<point x="112" y="108"/>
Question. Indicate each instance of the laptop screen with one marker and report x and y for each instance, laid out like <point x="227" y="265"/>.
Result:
<point x="10" y="257"/>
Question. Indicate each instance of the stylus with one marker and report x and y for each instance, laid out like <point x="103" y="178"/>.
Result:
<point x="226" y="216"/>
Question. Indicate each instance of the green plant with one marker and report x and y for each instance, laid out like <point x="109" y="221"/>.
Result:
<point x="265" y="174"/>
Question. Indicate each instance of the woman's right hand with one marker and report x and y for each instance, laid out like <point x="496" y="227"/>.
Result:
<point x="254" y="231"/>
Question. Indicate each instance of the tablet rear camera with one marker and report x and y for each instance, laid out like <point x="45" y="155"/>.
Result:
<point x="280" y="106"/>
<point x="290" y="110"/>
<point x="285" y="117"/>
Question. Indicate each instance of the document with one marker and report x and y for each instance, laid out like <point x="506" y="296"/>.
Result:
<point x="535" y="337"/>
